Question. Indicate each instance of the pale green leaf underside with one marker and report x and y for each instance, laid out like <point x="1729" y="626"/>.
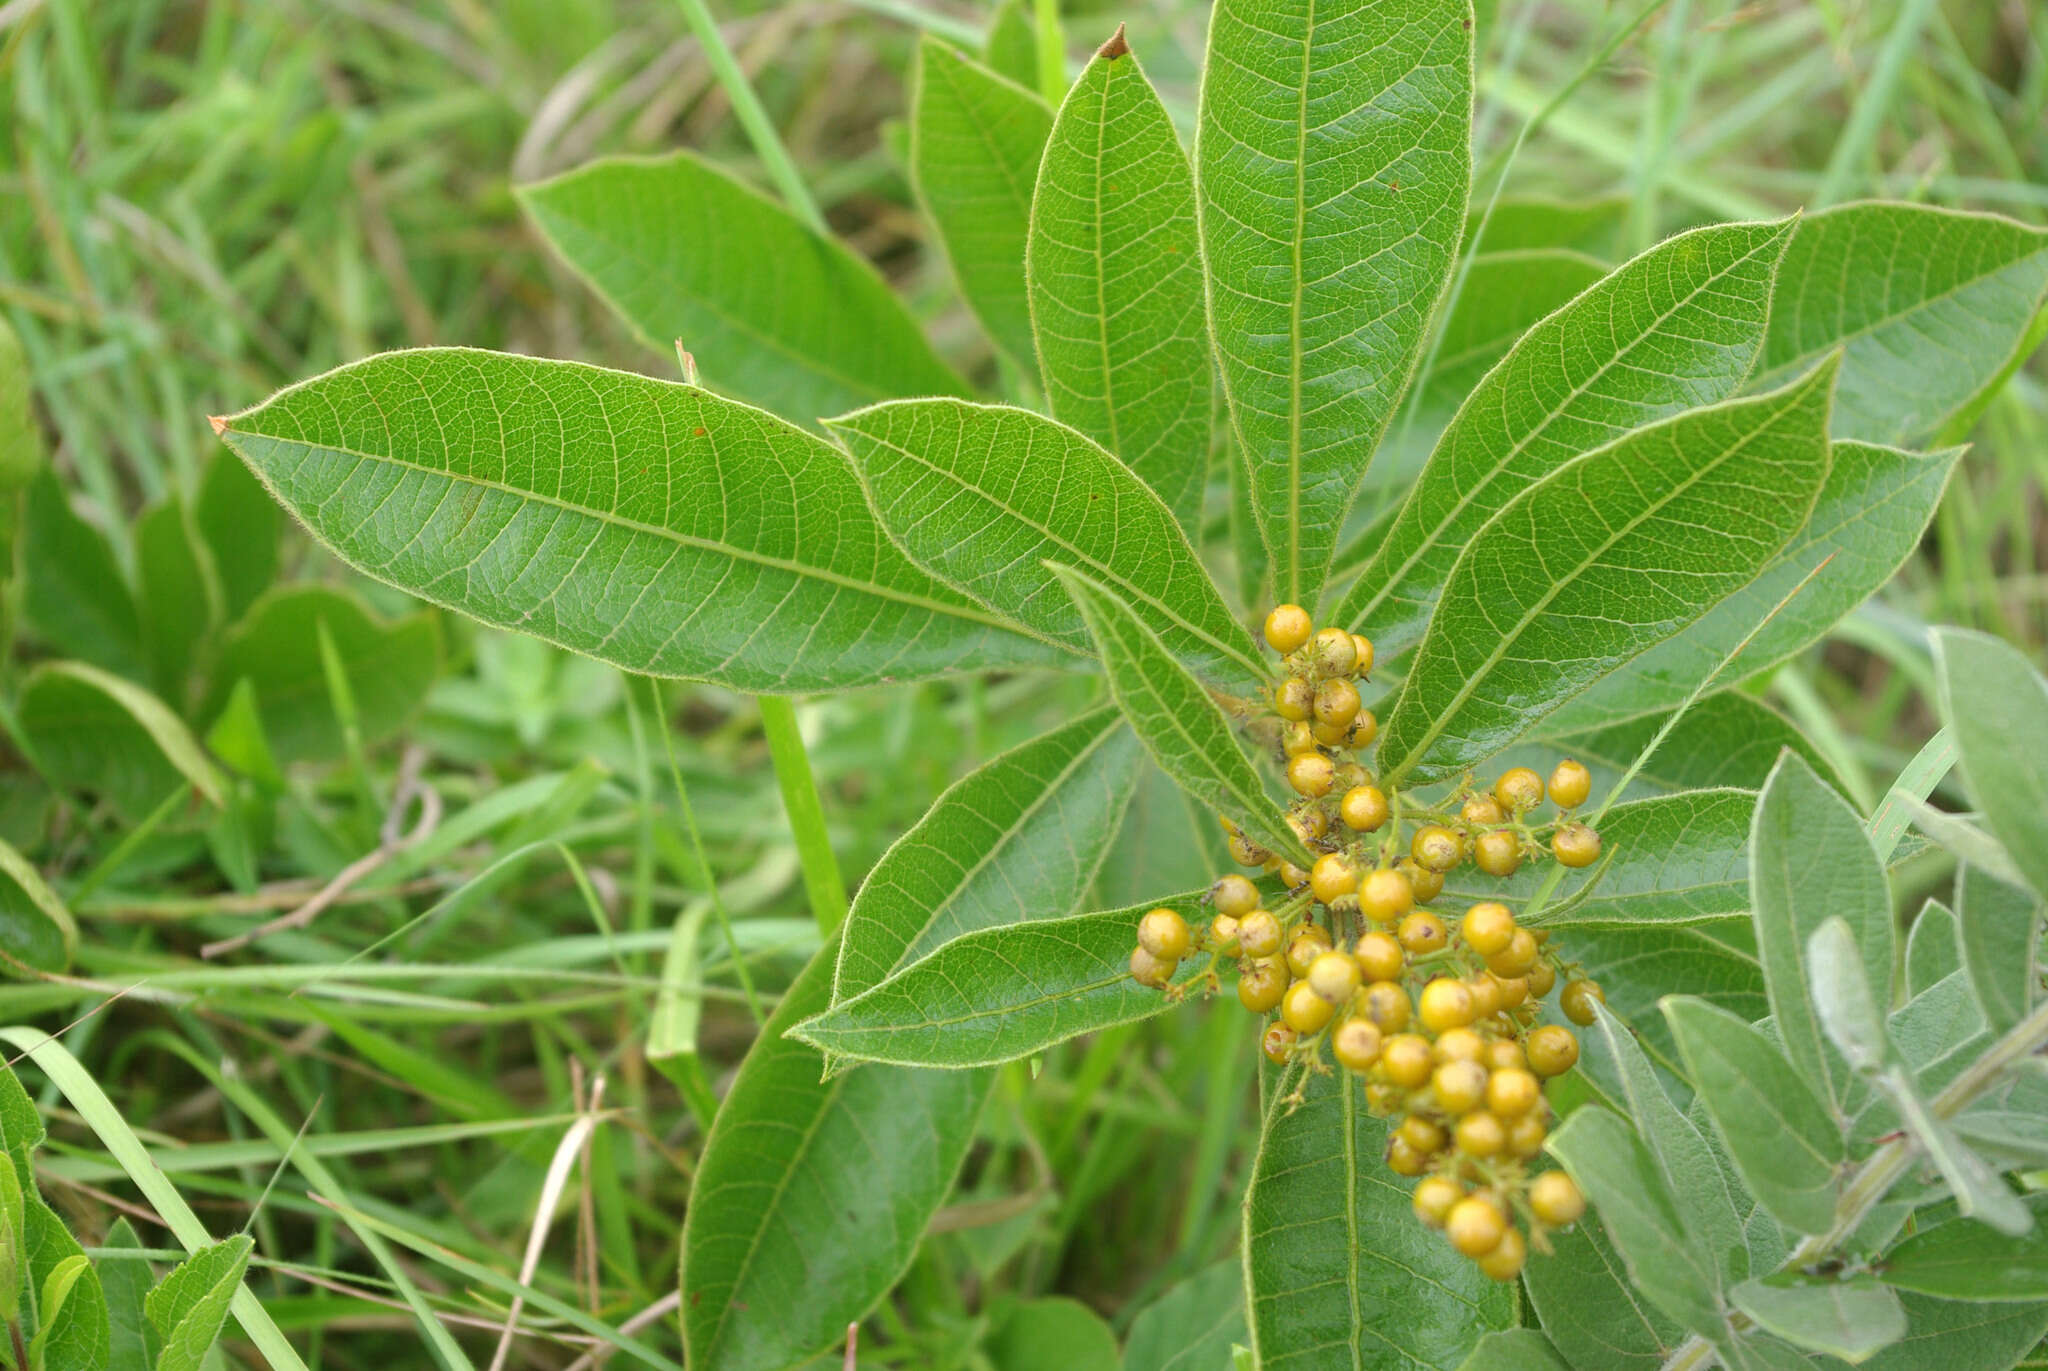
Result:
<point x="1676" y="328"/>
<point x="1599" y="562"/>
<point x="35" y="927"/>
<point x="100" y="732"/>
<point x="983" y="496"/>
<point x="1332" y="166"/>
<point x="1115" y="274"/>
<point x="1338" y="1273"/>
<point x="1637" y="966"/>
<point x="1996" y="703"/>
<point x="1584" y="1301"/>
<point x="652" y="525"/>
<point x="1933" y="947"/>
<point x="975" y="142"/>
<point x="1020" y="838"/>
<point x="1850" y="1319"/>
<point x="774" y="313"/>
<point x="1999" y="935"/>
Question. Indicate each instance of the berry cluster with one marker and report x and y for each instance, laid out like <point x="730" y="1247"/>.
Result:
<point x="1441" y="1025"/>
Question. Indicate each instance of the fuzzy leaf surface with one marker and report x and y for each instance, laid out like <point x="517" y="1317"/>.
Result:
<point x="1999" y="936"/>
<point x="1963" y="1259"/>
<point x="1192" y="1326"/>
<point x="1996" y="704"/>
<point x="1933" y="947"/>
<point x="190" y="1306"/>
<point x="1583" y="1299"/>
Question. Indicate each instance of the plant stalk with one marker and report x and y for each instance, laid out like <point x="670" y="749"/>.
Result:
<point x="806" y="816"/>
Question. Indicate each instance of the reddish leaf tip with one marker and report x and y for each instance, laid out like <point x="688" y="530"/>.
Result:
<point x="220" y="423"/>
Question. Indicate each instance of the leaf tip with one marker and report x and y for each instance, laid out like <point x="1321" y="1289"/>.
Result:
<point x="220" y="424"/>
<point x="1116" y="46"/>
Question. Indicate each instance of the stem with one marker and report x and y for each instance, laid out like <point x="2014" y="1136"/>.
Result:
<point x="806" y="816"/>
<point x="20" y="1352"/>
<point x="753" y="118"/>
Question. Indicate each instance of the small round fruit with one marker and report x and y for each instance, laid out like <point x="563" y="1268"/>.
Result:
<point x="1164" y="933"/>
<point x="1577" y="1000"/>
<point x="1364" y="729"/>
<point x="1362" y="646"/>
<point x="1542" y="978"/>
<point x="1147" y="969"/>
<point x="1331" y="735"/>
<point x="1296" y="737"/>
<point x="1333" y="875"/>
<point x="1262" y="984"/>
<point x="1308" y="822"/>
<point x="1570" y="784"/>
<point x="1334" y="976"/>
<point x="1356" y="1045"/>
<point x="1335" y="653"/>
<point x="1426" y="883"/>
<point x="1287" y="628"/>
<point x="1514" y="990"/>
<point x="1245" y="852"/>
<point x="1445" y="1003"/>
<point x="1555" y="1200"/>
<point x="1279" y="1043"/>
<point x="1487" y="927"/>
<point x="1311" y="774"/>
<point x="1434" y="1198"/>
<point x="1351" y="775"/>
<point x="1222" y="935"/>
<point x="1485" y="992"/>
<point x="1475" y="1225"/>
<point x="1258" y="934"/>
<point x="1460" y="1087"/>
<point x="1404" y="1160"/>
<point x="1505" y="1261"/>
<point x="1336" y="703"/>
<point x="1552" y="1050"/>
<point x="1382" y="1098"/>
<point x="1234" y="895"/>
<point x="1481" y="1134"/>
<point x="1575" y="845"/>
<point x="1303" y="949"/>
<point x="1422" y="933"/>
<point x="1303" y="1010"/>
<point x="1526" y="1134"/>
<point x="1518" y="958"/>
<point x="1387" y="1005"/>
<point x="1422" y="1134"/>
<point x="1380" y="957"/>
<point x="1405" y="1059"/>
<point x="1518" y="789"/>
<point x="1385" y="896"/>
<point x="1497" y="852"/>
<point x="1482" y="811"/>
<point x="1460" y="1045"/>
<point x="1505" y="1054"/>
<point x="1436" y="848"/>
<point x="1512" y="1092"/>
<point x="1363" y="808"/>
<point x="1294" y="699"/>
<point x="1293" y="875"/>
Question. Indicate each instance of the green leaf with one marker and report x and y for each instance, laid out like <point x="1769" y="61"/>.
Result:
<point x="75" y="1334"/>
<point x="1996" y="705"/>
<point x="1948" y="1335"/>
<point x="984" y="496"/>
<point x="1020" y="838"/>
<point x="1336" y="1268"/>
<point x="1776" y="1130"/>
<point x="276" y="651"/>
<point x="1180" y="725"/>
<point x="1842" y="997"/>
<point x="812" y="1195"/>
<point x="1930" y="303"/>
<point x="1332" y="164"/>
<point x="1054" y="1333"/>
<point x="1964" y="841"/>
<point x="1011" y="49"/>
<point x="240" y="524"/>
<point x="236" y="736"/>
<point x="1168" y="842"/>
<point x="1599" y="562"/>
<point x="1810" y="859"/>
<point x="676" y="246"/>
<point x="177" y="594"/>
<point x="13" y="1240"/>
<point x="1592" y="1314"/>
<point x="190" y="1306"/>
<point x="1673" y="329"/>
<point x="1636" y="967"/>
<point x="1726" y="739"/>
<point x="73" y="594"/>
<point x="1933" y="947"/>
<point x="975" y="142"/>
<point x="1192" y="1326"/>
<point x="1515" y="1349"/>
<point x="1999" y="935"/>
<point x="1870" y="515"/>
<point x="1115" y="273"/>
<point x="1622" y="1179"/>
<point x="126" y="1281"/>
<point x="36" y="930"/>
<point x="96" y="732"/>
<point x="1851" y="1318"/>
<point x="1523" y="222"/>
<point x="21" y="440"/>
<point x="654" y="526"/>
<point x="679" y="1004"/>
<point x="1963" y="1259"/>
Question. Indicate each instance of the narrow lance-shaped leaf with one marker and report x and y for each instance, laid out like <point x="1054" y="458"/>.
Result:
<point x="21" y="442"/>
<point x="1852" y="1319"/>
<point x="1332" y="165"/>
<point x="975" y="141"/>
<point x="1515" y="1349"/>
<point x="1637" y="965"/>
<point x="99" y="732"/>
<point x="1192" y="1326"/>
<point x="1336" y="1268"/>
<point x="74" y="1332"/>
<point x="1180" y="725"/>
<point x="1727" y="739"/>
<point x="652" y="525"/>
<point x="1999" y="936"/>
<point x="983" y="496"/>
<point x="1996" y="704"/>
<point x="1963" y="1259"/>
<point x="1676" y="328"/>
<point x="1599" y="562"/>
<point x="1933" y="947"/>
<point x="677" y="247"/>
<point x="1582" y="1296"/>
<point x="1115" y="274"/>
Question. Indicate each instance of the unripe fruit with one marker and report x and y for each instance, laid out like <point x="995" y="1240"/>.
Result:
<point x="1261" y="985"/>
<point x="1364" y="729"/>
<point x="1436" y="848"/>
<point x="1404" y="1160"/>
<point x="1512" y="1092"/>
<point x="1505" y="1054"/>
<point x="1278" y="1043"/>
<point x="1380" y="957"/>
<point x="1497" y="852"/>
<point x="1506" y="1260"/>
<point x="1575" y="845"/>
<point x="1518" y="958"/>
<point x="1487" y="927"/>
<point x="1294" y="699"/>
<point x="1303" y="1010"/>
<point x="1482" y="811"/>
<point x="1526" y="1134"/>
<point x="1577" y="1000"/>
<point x="1293" y="875"/>
<point x="1149" y="970"/>
<point x="1475" y="1225"/>
<point x="1363" y="809"/>
<point x="1164" y="934"/>
<point x="1335" y="653"/>
<point x="1445" y="1003"/>
<point x="1336" y="703"/>
<point x="1356" y="1045"/>
<point x="1308" y="822"/>
<point x="1570" y="784"/>
<point x="1234" y="895"/>
<point x="1542" y="978"/>
<point x="1222" y="935"/>
<point x="1460" y="1087"/>
<point x="1245" y="852"/>
<point x="1311" y="774"/>
<point x="1331" y="735"/>
<point x="1424" y="882"/>
<point x="1385" y="896"/>
<point x="1460" y="1045"/>
<point x="1350" y="775"/>
<point x="1382" y="1098"/>
<point x="1297" y="737"/>
<point x="1386" y="1004"/>
<point x="1552" y="1050"/>
<point x="1485" y="992"/>
<point x="1287" y="628"/>
<point x="1404" y="1058"/>
<point x="1334" y="976"/>
<point x="1333" y="875"/>
<point x="1423" y="933"/>
<point x="1518" y="789"/>
<point x="1362" y="647"/>
<point x="1514" y="990"/>
<point x="1481" y="1134"/>
<point x="1258" y="934"/>
<point x="1307" y="945"/>
<point x="1434" y="1198"/>
<point x="1421" y="1134"/>
<point x="1555" y="1200"/>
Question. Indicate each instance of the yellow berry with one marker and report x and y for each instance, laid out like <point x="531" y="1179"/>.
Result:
<point x="1311" y="774"/>
<point x="1303" y="1010"/>
<point x="1517" y="958"/>
<point x="1331" y="735"/>
<point x="1297" y="737"/>
<point x="1303" y="949"/>
<point x="1475" y="1225"/>
<point x="1482" y="811"/>
<point x="1335" y="653"/>
<point x="1505" y="1261"/>
<point x="1497" y="852"/>
<point x="1421" y="1134"/>
<point x="1555" y="1200"/>
<point x="1542" y="977"/>
<point x="1512" y="1092"/>
<point x="1361" y="647"/>
<point x="1404" y="1160"/>
<point x="1364" y="729"/>
<point x="1279" y="1043"/>
<point x="1518" y="789"/>
<point x="1149" y="970"/>
<point x="1363" y="808"/>
<point x="1436" y="848"/>
<point x="1261" y="984"/>
<point x="1245" y="852"/>
<point x="1460" y="1045"/>
<point x="1336" y="704"/>
<point x="1234" y="895"/>
<point x="1334" y="976"/>
<point x="1258" y="934"/>
<point x="1387" y="1005"/>
<point x="1405" y="1059"/>
<point x="1481" y="1134"/>
<point x="1164" y="933"/>
<point x="1552" y="1050"/>
<point x="1445" y="1003"/>
<point x="1505" y="1054"/>
<point x="1570" y="784"/>
<point x="1485" y="993"/>
<point x="1385" y="896"/>
<point x="1422" y="933"/>
<point x="1308" y="822"/>
<point x="1287" y="628"/>
<point x="1382" y="1098"/>
<point x="1222" y="935"/>
<point x="1356" y="1045"/>
<point x="1434" y="1198"/>
<point x="1525" y="1135"/>
<point x="1425" y="882"/>
<point x="1487" y="927"/>
<point x="1294" y="699"/>
<point x="1380" y="958"/>
<point x="1460" y="1087"/>
<point x="1332" y="876"/>
<point x="1514" y="990"/>
<point x="1577" y="1000"/>
<point x="1293" y="875"/>
<point x="1575" y="845"/>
